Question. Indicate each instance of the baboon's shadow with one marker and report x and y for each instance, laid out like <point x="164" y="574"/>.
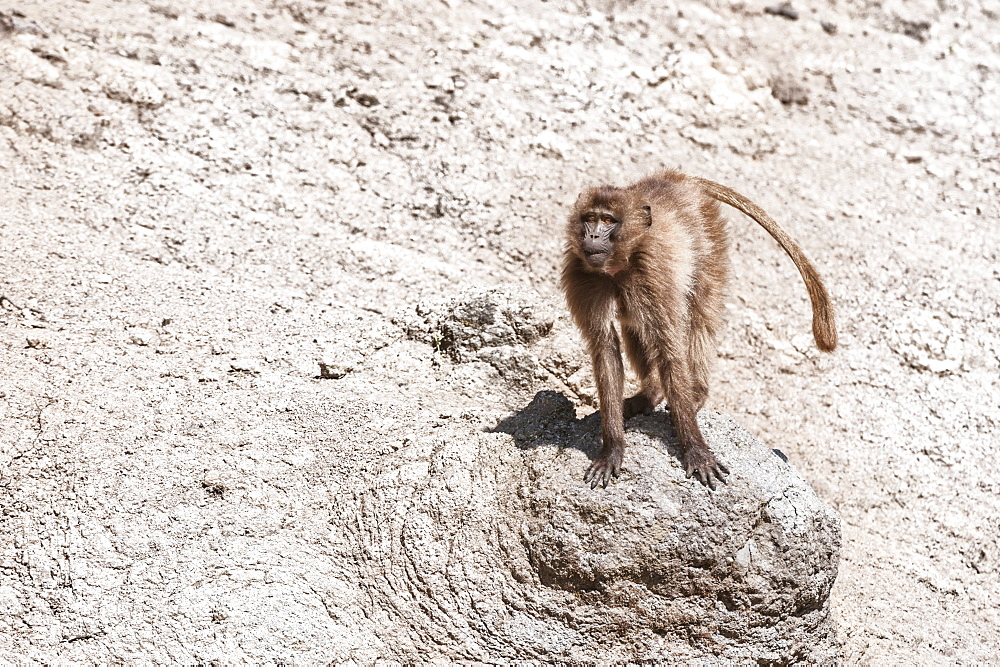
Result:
<point x="550" y="420"/>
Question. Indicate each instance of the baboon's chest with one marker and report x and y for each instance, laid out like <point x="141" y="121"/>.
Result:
<point x="628" y="309"/>
<point x="643" y="308"/>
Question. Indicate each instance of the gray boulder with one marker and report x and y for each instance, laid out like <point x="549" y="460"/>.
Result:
<point x="492" y="548"/>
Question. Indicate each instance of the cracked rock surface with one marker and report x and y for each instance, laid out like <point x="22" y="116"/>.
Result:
<point x="287" y="377"/>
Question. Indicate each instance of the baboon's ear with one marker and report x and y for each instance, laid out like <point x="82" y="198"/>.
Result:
<point x="649" y="215"/>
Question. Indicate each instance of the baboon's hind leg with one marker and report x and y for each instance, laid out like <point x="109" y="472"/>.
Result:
<point x="705" y="316"/>
<point x="701" y="349"/>
<point x="643" y="402"/>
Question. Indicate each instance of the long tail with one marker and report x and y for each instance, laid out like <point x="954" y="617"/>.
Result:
<point x="824" y="327"/>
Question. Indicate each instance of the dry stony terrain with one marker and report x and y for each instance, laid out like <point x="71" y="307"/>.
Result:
<point x="224" y="225"/>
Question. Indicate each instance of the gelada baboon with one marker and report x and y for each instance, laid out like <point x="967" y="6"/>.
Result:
<point x="654" y="254"/>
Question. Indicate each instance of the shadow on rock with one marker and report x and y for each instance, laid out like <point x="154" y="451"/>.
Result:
<point x="550" y="420"/>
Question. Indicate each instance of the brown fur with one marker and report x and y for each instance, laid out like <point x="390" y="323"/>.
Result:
<point x="655" y="254"/>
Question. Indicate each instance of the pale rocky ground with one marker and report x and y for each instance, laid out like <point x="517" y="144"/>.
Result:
<point x="202" y="200"/>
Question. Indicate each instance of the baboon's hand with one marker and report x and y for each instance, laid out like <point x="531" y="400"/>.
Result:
<point x="603" y="469"/>
<point x="701" y="463"/>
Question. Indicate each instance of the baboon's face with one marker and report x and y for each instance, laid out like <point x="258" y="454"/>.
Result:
<point x="599" y="231"/>
<point x="604" y="228"/>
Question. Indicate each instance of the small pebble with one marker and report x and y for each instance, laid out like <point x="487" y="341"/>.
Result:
<point x="785" y="10"/>
<point x="143" y="337"/>
<point x="36" y="343"/>
<point x="245" y="365"/>
<point x="334" y="370"/>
